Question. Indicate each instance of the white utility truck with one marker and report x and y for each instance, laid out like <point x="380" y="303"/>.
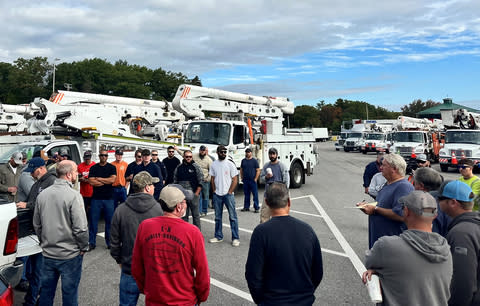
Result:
<point x="462" y="137"/>
<point x="247" y="121"/>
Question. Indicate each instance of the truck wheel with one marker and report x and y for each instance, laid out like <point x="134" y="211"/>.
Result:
<point x="345" y="149"/>
<point x="337" y="149"/>
<point x="364" y="152"/>
<point x="444" y="167"/>
<point x="296" y="175"/>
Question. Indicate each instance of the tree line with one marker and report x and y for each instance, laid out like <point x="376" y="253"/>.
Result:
<point x="26" y="79"/>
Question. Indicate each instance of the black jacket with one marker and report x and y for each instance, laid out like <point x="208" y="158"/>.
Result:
<point x="464" y="239"/>
<point x="125" y="222"/>
<point x="45" y="181"/>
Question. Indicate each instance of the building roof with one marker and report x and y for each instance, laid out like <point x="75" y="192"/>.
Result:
<point x="447" y="104"/>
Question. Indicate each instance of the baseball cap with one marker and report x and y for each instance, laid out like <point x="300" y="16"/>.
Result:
<point x="273" y="150"/>
<point x="143" y="179"/>
<point x="421" y="158"/>
<point x="187" y="193"/>
<point x="63" y="152"/>
<point x="418" y="201"/>
<point x="34" y="163"/>
<point x="118" y="152"/>
<point x="456" y="190"/>
<point x="87" y="154"/>
<point x="221" y="148"/>
<point x="17" y="158"/>
<point x="466" y="162"/>
<point x="202" y="148"/>
<point x="145" y="152"/>
<point x="172" y="195"/>
<point x="248" y="150"/>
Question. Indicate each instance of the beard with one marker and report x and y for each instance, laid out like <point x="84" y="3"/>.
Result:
<point x="273" y="159"/>
<point x="222" y="157"/>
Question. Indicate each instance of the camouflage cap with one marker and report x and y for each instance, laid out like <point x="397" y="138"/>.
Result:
<point x="143" y="179"/>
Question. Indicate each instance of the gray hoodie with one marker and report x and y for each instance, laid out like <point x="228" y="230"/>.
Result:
<point x="125" y="222"/>
<point x="415" y="268"/>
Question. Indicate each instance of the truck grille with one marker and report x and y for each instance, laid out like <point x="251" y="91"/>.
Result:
<point x="458" y="153"/>
<point x="341" y="142"/>
<point x="350" y="143"/>
<point x="404" y="150"/>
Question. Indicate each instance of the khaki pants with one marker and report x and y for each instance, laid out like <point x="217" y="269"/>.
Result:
<point x="265" y="213"/>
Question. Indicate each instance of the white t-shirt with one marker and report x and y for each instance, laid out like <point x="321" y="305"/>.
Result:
<point x="223" y="171"/>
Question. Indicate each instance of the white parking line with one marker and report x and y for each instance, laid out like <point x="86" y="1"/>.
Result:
<point x="357" y="263"/>
<point x="237" y="292"/>
<point x="251" y="231"/>
<point x="304" y="213"/>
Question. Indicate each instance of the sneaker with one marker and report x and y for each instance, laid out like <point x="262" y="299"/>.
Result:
<point x="91" y="247"/>
<point x="256" y="211"/>
<point x="245" y="209"/>
<point x="215" y="240"/>
<point x="235" y="242"/>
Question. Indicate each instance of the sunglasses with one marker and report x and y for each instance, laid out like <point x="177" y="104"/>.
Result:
<point x="154" y="154"/>
<point x="138" y="156"/>
<point x="104" y="155"/>
<point x="462" y="167"/>
<point x="171" y="151"/>
<point x="223" y="151"/>
<point x="188" y="156"/>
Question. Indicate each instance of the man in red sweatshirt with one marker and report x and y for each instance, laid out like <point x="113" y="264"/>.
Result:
<point x="169" y="261"/>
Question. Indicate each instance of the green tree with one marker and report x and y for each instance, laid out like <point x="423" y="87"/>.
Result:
<point x="417" y="106"/>
<point x="28" y="80"/>
<point x="305" y="116"/>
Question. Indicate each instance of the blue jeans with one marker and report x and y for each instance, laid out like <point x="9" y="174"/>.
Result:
<point x="229" y="201"/>
<point x="119" y="196"/>
<point x="250" y="187"/>
<point x="34" y="276"/>
<point x="95" y="210"/>
<point x="204" y="197"/>
<point x="70" y="270"/>
<point x="128" y="290"/>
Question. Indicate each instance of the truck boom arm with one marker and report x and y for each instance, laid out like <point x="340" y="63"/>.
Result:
<point x="193" y="100"/>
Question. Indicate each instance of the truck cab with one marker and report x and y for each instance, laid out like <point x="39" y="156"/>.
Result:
<point x="341" y="141"/>
<point x="354" y="141"/>
<point x="459" y="143"/>
<point x="372" y="141"/>
<point x="407" y="142"/>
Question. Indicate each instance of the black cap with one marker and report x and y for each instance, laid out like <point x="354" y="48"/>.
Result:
<point x="145" y="152"/>
<point x="221" y="148"/>
<point x="118" y="152"/>
<point x="203" y="148"/>
<point x="272" y="150"/>
<point x="87" y="154"/>
<point x="248" y="150"/>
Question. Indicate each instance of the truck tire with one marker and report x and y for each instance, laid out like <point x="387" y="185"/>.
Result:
<point x="337" y="149"/>
<point x="296" y="175"/>
<point x="346" y="150"/>
<point x="444" y="167"/>
<point x="364" y="152"/>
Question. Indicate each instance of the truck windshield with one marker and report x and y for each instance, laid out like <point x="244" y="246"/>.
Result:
<point x="374" y="136"/>
<point x="472" y="137"/>
<point x="409" y="137"/>
<point x="208" y="132"/>
<point x="355" y="135"/>
<point x="26" y="148"/>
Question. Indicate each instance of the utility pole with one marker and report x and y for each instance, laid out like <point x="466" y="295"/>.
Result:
<point x="53" y="83"/>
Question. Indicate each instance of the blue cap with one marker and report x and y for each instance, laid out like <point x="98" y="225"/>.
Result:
<point x="34" y="163"/>
<point x="458" y="190"/>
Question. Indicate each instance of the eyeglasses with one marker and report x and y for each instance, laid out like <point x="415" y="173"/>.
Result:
<point x="188" y="156"/>
<point x="103" y="155"/>
<point x="223" y="151"/>
<point x="154" y="154"/>
<point x="171" y="151"/>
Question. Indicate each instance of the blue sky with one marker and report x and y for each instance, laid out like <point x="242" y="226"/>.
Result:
<point x="387" y="53"/>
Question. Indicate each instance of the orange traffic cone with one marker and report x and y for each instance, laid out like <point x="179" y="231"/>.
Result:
<point x="463" y="155"/>
<point x="413" y="154"/>
<point x="454" y="159"/>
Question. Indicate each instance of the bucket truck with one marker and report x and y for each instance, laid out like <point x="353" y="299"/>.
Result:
<point x="462" y="137"/>
<point x="247" y="121"/>
<point x="413" y="136"/>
